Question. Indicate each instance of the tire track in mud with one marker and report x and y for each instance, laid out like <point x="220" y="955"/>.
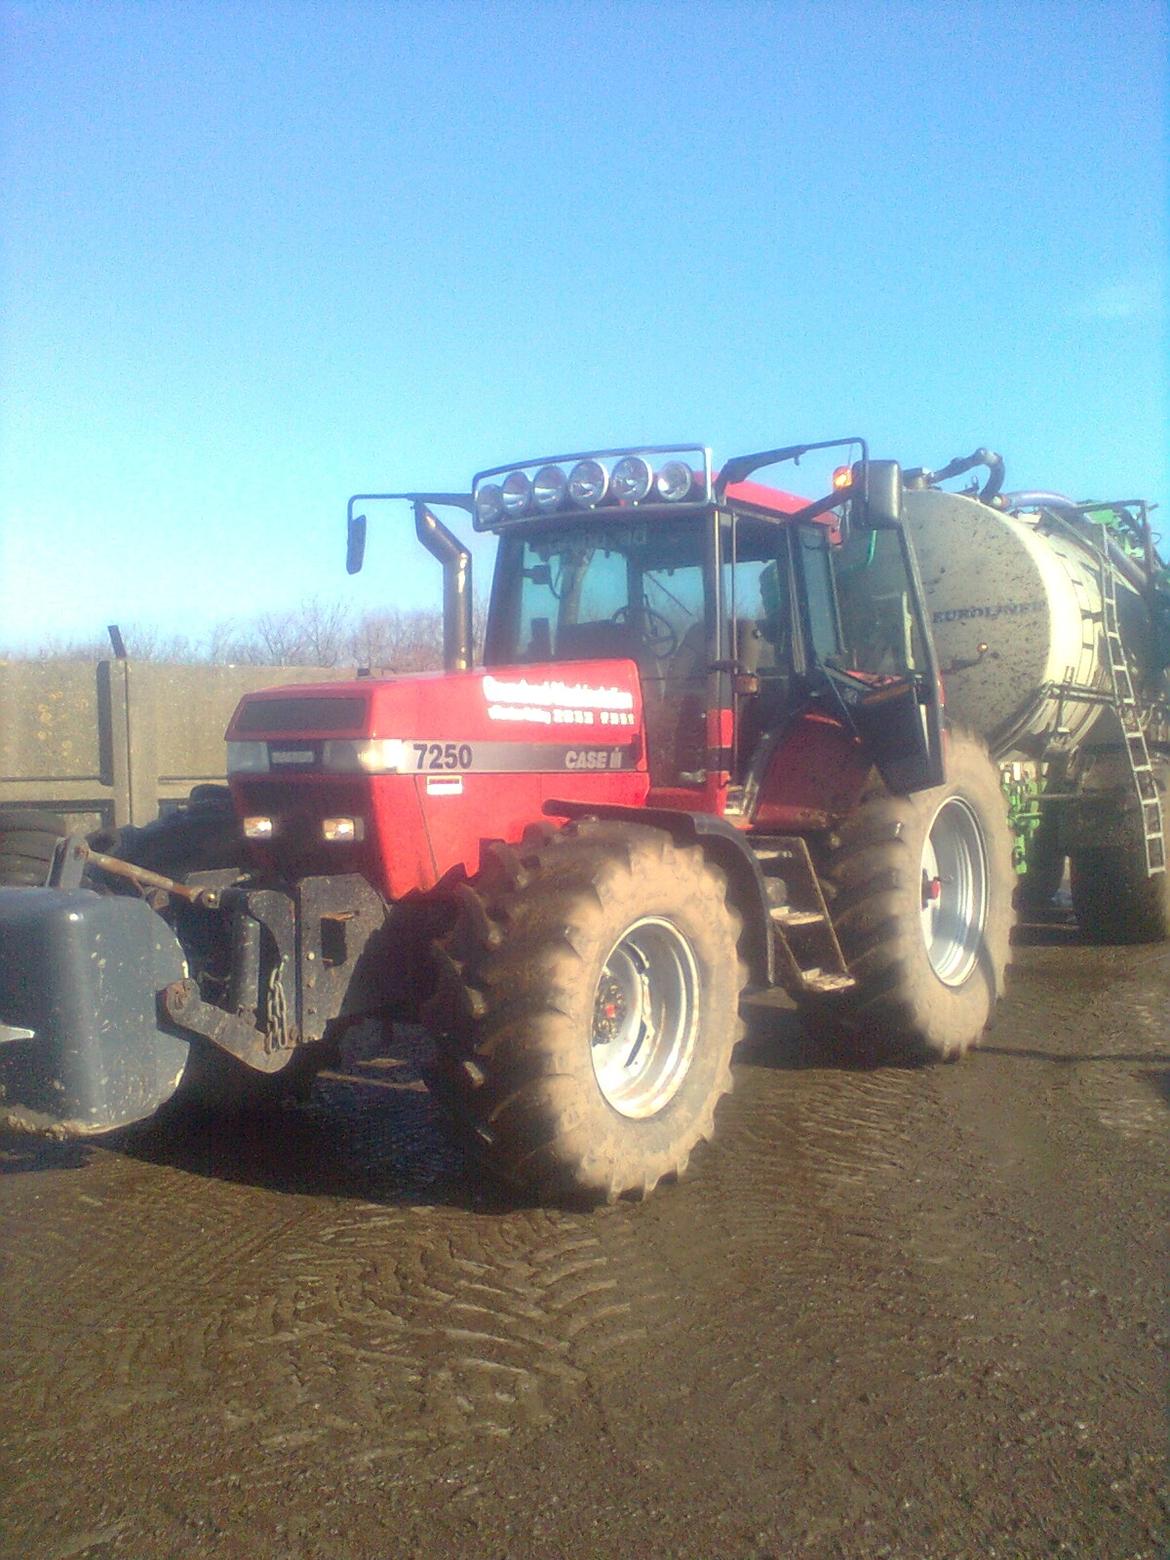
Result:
<point x="337" y="1287"/>
<point x="1121" y="1080"/>
<point x="803" y="1138"/>
<point x="262" y="1290"/>
<point x="197" y="1326"/>
<point x="1126" y="1083"/>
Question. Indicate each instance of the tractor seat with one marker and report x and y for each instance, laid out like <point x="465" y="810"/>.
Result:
<point x="598" y="642"/>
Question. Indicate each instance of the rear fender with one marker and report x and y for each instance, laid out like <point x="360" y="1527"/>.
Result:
<point x="81" y="1050"/>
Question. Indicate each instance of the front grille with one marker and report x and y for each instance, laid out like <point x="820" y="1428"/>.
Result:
<point x="307" y="712"/>
<point x="296" y="848"/>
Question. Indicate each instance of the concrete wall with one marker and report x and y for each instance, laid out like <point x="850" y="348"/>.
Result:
<point x="112" y="742"/>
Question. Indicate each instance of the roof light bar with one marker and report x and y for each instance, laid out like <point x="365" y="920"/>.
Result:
<point x="652" y="477"/>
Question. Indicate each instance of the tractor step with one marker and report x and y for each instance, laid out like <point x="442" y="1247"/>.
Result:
<point x="808" y="953"/>
<point x="785" y="915"/>
<point x="817" y="980"/>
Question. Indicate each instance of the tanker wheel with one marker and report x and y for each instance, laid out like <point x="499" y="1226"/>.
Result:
<point x="27" y="841"/>
<point x="1114" y="898"/>
<point x="1045" y="867"/>
<point x="586" y="1008"/>
<point x="921" y="892"/>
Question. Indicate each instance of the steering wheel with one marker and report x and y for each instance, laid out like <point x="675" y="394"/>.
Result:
<point x="658" y="633"/>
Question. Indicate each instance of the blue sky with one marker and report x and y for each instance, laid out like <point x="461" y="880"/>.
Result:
<point x="258" y="256"/>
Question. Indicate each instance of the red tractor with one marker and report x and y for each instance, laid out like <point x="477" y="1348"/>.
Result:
<point x="704" y="752"/>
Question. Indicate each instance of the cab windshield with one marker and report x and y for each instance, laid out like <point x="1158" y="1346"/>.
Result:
<point x="600" y="592"/>
<point x="615" y="590"/>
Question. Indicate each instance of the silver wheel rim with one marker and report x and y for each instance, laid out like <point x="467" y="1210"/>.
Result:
<point x="954" y="892"/>
<point x="645" y="1017"/>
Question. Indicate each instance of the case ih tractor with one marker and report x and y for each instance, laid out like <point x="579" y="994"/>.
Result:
<point x="705" y="751"/>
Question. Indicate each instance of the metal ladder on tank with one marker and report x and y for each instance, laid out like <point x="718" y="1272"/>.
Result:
<point x="1134" y="737"/>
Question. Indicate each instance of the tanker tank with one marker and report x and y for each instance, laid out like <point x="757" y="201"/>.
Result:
<point x="1015" y="603"/>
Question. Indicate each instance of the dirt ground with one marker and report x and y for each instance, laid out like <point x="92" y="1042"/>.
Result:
<point x="891" y="1313"/>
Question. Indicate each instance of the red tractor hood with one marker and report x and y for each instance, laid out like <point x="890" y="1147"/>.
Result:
<point x="550" y="706"/>
<point x="436" y="765"/>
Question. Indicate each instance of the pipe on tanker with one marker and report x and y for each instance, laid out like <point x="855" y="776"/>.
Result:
<point x="1068" y="510"/>
<point x="1035" y="500"/>
<point x="456" y="561"/>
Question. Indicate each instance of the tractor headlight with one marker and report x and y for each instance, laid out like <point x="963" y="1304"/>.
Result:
<point x="489" y="503"/>
<point x="342" y="831"/>
<point x="673" y="483"/>
<point x="549" y="488"/>
<point x="631" y="479"/>
<point x="247" y="758"/>
<point x="516" y="493"/>
<point x="257" y="828"/>
<point x="587" y="483"/>
<point x="370" y="756"/>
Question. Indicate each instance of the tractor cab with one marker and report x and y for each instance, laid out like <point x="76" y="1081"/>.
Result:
<point x="756" y="619"/>
<point x="776" y="639"/>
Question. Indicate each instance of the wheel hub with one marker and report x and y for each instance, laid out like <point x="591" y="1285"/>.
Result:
<point x="609" y="1011"/>
<point x="955" y="878"/>
<point x="645" y="1017"/>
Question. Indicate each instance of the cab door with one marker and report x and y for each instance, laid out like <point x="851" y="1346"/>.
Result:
<point x="868" y="648"/>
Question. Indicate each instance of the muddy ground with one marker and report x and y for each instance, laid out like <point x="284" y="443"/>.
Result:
<point x="890" y="1313"/>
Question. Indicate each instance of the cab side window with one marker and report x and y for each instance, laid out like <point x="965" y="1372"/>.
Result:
<point x="757" y="594"/>
<point x="758" y="600"/>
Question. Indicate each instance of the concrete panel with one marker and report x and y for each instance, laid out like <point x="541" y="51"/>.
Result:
<point x="109" y="742"/>
<point x="55" y="728"/>
<point x="177" y="718"/>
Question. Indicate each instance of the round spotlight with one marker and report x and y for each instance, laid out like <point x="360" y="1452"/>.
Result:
<point x="516" y="493"/>
<point x="673" y="482"/>
<point x="549" y="488"/>
<point x="631" y="479"/>
<point x="587" y="483"/>
<point x="489" y="503"/>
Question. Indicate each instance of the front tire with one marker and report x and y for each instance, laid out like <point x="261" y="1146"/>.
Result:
<point x="921" y="893"/>
<point x="586" y="1008"/>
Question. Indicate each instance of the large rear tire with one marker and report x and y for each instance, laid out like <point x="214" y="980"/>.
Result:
<point x="586" y="1009"/>
<point x="921" y="892"/>
<point x="27" y="841"/>
<point x="1115" y="899"/>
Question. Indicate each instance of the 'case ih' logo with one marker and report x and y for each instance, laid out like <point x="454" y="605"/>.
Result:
<point x="593" y="758"/>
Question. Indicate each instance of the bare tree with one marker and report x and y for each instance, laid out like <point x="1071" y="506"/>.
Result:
<point x="316" y="632"/>
<point x="399" y="641"/>
<point x="143" y="642"/>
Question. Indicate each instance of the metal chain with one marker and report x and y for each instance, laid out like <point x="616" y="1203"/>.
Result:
<point x="276" y="1030"/>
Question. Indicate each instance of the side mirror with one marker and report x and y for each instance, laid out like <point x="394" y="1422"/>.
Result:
<point x="880" y="483"/>
<point x="355" y="543"/>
